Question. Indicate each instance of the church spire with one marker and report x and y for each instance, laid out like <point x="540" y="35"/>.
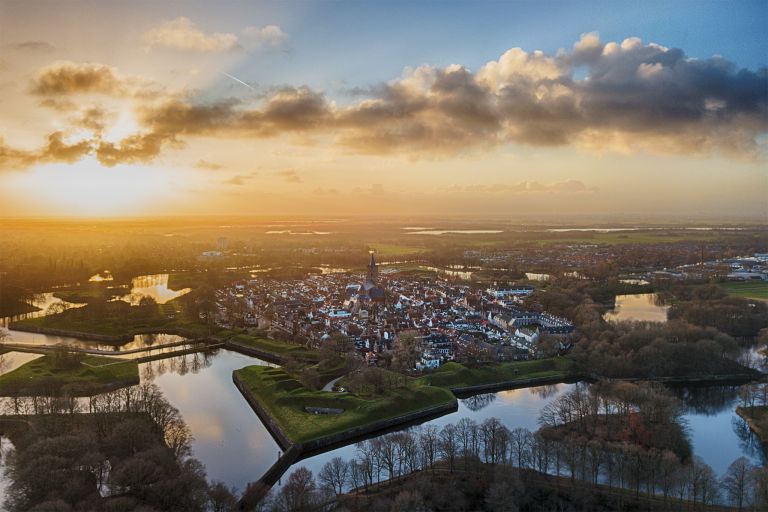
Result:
<point x="372" y="269"/>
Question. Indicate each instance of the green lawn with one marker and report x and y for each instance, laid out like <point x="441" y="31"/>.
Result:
<point x="90" y="371"/>
<point x="277" y="347"/>
<point x="747" y="289"/>
<point x="285" y="399"/>
<point x="455" y="375"/>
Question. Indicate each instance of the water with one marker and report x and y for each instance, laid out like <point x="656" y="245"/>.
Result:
<point x="229" y="438"/>
<point x="439" y="232"/>
<point x="464" y="275"/>
<point x="12" y="360"/>
<point x="716" y="432"/>
<point x="533" y="276"/>
<point x="154" y="286"/>
<point x="42" y="301"/>
<point x="140" y="341"/>
<point x="639" y="306"/>
<point x="235" y="447"/>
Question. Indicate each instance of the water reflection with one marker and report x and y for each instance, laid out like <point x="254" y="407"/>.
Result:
<point x="154" y="286"/>
<point x="139" y="342"/>
<point x="706" y="400"/>
<point x="46" y="304"/>
<point x="229" y="439"/>
<point x="478" y="402"/>
<point x="638" y="307"/>
<point x="749" y="442"/>
<point x="12" y="360"/>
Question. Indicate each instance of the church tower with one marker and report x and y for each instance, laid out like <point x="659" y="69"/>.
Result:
<point x="373" y="270"/>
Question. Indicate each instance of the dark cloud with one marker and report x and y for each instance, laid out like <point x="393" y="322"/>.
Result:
<point x="139" y="148"/>
<point x="54" y="150"/>
<point x="71" y="78"/>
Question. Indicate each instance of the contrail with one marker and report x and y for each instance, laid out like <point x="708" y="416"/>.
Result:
<point x="238" y="80"/>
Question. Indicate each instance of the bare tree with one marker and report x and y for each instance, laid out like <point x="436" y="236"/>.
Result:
<point x="334" y="475"/>
<point x="736" y="481"/>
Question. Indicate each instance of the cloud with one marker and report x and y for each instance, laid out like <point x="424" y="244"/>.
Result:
<point x="54" y="150"/>
<point x="210" y="166"/>
<point x="269" y="36"/>
<point x="33" y="47"/>
<point x="626" y="97"/>
<point x="525" y="187"/>
<point x="67" y="77"/>
<point x="237" y="180"/>
<point x="289" y="175"/>
<point x="183" y="34"/>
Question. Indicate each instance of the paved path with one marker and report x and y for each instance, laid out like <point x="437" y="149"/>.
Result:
<point x="329" y="386"/>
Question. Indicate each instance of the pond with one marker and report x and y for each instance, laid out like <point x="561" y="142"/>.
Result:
<point x="154" y="286"/>
<point x="639" y="306"/>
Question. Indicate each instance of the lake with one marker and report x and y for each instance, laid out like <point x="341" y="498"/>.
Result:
<point x="639" y="306"/>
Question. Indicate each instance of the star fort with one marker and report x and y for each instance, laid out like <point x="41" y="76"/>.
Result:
<point x="371" y="312"/>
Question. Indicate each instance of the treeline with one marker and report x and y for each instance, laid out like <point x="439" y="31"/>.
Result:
<point x="711" y="306"/>
<point x="469" y="447"/>
<point x="618" y="414"/>
<point x="120" y="451"/>
<point x="657" y="350"/>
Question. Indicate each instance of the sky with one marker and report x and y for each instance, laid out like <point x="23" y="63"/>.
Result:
<point x="513" y="108"/>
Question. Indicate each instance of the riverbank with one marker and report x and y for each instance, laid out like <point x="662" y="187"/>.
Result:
<point x="463" y="379"/>
<point x="83" y="376"/>
<point x="274" y="351"/>
<point x="757" y="420"/>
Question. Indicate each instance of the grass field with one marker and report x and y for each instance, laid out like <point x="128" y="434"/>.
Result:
<point x="90" y="371"/>
<point x="388" y="250"/>
<point x="748" y="289"/>
<point x="280" y="348"/>
<point x="455" y="375"/>
<point x="285" y="399"/>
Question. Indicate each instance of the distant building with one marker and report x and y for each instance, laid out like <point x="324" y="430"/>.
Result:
<point x="222" y="243"/>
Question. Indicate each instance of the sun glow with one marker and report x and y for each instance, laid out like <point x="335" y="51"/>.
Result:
<point x="88" y="189"/>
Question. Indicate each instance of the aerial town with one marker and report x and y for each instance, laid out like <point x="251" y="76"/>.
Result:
<point x="372" y="310"/>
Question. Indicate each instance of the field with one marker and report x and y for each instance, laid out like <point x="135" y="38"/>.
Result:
<point x="279" y="348"/>
<point x="88" y="372"/>
<point x="285" y="399"/>
<point x="455" y="375"/>
<point x="748" y="290"/>
<point x="389" y="250"/>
